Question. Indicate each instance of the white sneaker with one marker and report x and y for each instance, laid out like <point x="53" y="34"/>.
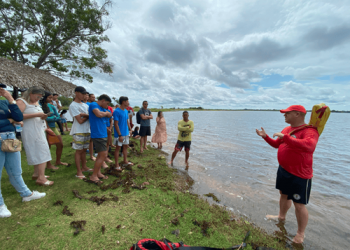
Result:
<point x="36" y="195"/>
<point x="4" y="212"/>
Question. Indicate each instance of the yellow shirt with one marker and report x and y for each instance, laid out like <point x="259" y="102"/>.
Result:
<point x="185" y="130"/>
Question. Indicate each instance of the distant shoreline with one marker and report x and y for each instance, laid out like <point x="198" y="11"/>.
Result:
<point x="173" y="110"/>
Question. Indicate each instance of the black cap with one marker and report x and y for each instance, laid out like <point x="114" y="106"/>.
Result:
<point x="80" y="89"/>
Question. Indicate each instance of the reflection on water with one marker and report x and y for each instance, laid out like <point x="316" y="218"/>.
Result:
<point x="229" y="159"/>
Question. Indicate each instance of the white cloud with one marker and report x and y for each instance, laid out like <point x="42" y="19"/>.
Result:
<point x="178" y="52"/>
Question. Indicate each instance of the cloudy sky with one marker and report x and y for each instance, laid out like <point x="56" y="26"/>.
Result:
<point x="228" y="54"/>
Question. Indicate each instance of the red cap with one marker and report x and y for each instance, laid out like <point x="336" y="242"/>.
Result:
<point x="294" y="108"/>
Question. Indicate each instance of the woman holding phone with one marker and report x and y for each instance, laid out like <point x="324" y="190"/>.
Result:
<point x="33" y="134"/>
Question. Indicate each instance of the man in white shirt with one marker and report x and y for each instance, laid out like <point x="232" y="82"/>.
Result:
<point x="80" y="130"/>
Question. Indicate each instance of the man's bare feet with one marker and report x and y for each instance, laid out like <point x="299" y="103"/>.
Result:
<point x="274" y="217"/>
<point x="104" y="165"/>
<point x="52" y="167"/>
<point x="108" y="160"/>
<point x="101" y="176"/>
<point x="299" y="238"/>
<point x="145" y="148"/>
<point x="62" y="163"/>
<point x="93" y="158"/>
<point x="170" y="163"/>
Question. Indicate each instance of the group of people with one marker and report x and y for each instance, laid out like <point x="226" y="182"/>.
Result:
<point x="92" y="130"/>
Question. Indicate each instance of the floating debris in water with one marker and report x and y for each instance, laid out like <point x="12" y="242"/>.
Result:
<point x="213" y="196"/>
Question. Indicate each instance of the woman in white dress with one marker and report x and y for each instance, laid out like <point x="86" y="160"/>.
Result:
<point x="33" y="134"/>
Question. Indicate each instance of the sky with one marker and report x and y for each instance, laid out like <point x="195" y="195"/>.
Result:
<point x="228" y="54"/>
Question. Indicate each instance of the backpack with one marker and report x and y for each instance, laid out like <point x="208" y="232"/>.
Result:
<point x="138" y="117"/>
<point x="151" y="244"/>
<point x="319" y="116"/>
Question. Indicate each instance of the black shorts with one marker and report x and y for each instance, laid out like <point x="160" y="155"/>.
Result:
<point x="100" y="144"/>
<point x="145" y="131"/>
<point x="297" y="189"/>
<point x="180" y="144"/>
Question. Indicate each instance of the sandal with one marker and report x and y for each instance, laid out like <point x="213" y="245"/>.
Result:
<point x="80" y="177"/>
<point x="47" y="183"/>
<point x="34" y="178"/>
<point x="103" y="178"/>
<point x="118" y="169"/>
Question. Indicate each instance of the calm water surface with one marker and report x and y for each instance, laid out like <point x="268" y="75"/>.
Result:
<point x="229" y="159"/>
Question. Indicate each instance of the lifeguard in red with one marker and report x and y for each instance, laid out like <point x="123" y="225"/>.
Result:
<point x="295" y="152"/>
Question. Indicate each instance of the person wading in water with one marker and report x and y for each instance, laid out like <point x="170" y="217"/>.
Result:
<point x="185" y="127"/>
<point x="296" y="145"/>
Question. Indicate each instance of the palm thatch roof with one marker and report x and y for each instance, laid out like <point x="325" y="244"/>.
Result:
<point x="16" y="74"/>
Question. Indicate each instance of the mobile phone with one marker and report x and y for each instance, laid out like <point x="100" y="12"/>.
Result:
<point x="3" y="86"/>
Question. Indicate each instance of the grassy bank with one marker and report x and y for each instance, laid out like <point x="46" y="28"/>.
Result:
<point x="163" y="207"/>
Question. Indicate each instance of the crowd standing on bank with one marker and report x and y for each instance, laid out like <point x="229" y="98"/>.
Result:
<point x="37" y="112"/>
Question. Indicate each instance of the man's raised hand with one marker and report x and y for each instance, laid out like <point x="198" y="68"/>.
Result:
<point x="261" y="132"/>
<point x="280" y="135"/>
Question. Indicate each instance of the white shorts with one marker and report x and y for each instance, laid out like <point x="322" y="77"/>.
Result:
<point x="118" y="143"/>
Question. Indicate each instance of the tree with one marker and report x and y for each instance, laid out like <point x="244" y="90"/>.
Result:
<point x="61" y="36"/>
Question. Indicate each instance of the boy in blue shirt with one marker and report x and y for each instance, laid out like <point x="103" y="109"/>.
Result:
<point x="97" y="113"/>
<point x="121" y="130"/>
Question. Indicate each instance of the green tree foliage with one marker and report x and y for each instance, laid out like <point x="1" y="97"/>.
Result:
<point x="65" y="101"/>
<point x="61" y="36"/>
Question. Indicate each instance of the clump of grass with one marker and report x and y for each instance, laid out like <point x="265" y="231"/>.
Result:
<point x="213" y="196"/>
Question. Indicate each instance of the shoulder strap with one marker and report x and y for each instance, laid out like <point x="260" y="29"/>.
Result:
<point x="300" y="128"/>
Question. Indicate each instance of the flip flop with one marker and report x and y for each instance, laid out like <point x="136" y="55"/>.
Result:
<point x="119" y="169"/>
<point x="34" y="178"/>
<point x="128" y="164"/>
<point x="103" y="178"/>
<point x="80" y="177"/>
<point x="47" y="183"/>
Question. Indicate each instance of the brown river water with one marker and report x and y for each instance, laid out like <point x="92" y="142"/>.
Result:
<point x="228" y="159"/>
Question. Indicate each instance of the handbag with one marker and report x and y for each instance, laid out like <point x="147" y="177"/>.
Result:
<point x="11" y="145"/>
<point x="52" y="137"/>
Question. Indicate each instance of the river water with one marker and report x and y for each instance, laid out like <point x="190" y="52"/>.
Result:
<point x="230" y="160"/>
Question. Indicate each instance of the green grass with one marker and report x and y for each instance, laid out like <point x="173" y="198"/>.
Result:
<point x="141" y="213"/>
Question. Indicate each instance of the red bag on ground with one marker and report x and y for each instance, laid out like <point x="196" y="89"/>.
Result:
<point x="151" y="244"/>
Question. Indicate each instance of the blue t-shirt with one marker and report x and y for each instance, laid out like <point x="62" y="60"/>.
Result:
<point x="88" y="103"/>
<point x="122" y="117"/>
<point x="97" y="125"/>
<point x="146" y="112"/>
